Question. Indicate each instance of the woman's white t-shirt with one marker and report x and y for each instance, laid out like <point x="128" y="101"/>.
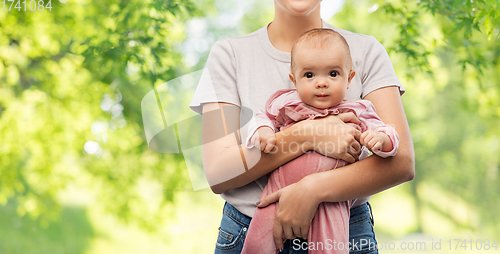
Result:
<point x="246" y="70"/>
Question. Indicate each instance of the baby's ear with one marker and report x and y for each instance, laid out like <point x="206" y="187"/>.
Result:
<point x="292" y="78"/>
<point x="351" y="76"/>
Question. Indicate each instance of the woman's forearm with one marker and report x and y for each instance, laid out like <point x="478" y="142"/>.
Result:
<point x="361" y="179"/>
<point x="236" y="165"/>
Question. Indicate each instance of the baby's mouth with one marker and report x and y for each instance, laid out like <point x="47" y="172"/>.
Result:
<point x="321" y="96"/>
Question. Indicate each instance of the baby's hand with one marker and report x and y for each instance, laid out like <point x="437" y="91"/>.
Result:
<point x="373" y="140"/>
<point x="264" y="139"/>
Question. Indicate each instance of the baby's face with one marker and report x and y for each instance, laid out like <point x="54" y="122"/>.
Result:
<point x="321" y="76"/>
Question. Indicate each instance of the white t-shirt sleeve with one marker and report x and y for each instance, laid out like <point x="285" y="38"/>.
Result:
<point x="218" y="81"/>
<point x="377" y="71"/>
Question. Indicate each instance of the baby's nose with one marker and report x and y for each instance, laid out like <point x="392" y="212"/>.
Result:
<point x="321" y="83"/>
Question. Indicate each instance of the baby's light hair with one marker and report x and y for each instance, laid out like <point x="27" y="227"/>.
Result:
<point x="318" y="38"/>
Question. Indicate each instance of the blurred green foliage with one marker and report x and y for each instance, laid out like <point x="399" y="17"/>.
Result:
<point x="78" y="73"/>
<point x="71" y="233"/>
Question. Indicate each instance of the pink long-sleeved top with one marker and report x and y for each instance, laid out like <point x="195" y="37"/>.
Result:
<point x="329" y="229"/>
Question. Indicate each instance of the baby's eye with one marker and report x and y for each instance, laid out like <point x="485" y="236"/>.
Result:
<point x="334" y="73"/>
<point x="308" y="75"/>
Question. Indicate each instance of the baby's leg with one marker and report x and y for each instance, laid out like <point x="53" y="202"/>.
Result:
<point x="329" y="230"/>
<point x="260" y="238"/>
<point x="260" y="233"/>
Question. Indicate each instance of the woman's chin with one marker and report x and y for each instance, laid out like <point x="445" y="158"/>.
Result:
<point x="301" y="8"/>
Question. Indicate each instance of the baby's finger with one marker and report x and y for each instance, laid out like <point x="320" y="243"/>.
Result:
<point x="257" y="144"/>
<point x="363" y="136"/>
<point x="367" y="139"/>
<point x="263" y="145"/>
<point x="377" y="146"/>
<point x="269" y="147"/>
<point x="372" y="143"/>
<point x="254" y="140"/>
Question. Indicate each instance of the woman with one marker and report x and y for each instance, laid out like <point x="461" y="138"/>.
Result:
<point x="243" y="72"/>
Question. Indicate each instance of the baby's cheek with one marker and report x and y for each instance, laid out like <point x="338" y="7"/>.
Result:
<point x="307" y="89"/>
<point x="305" y="93"/>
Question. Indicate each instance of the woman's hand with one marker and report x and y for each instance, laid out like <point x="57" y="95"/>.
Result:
<point x="296" y="209"/>
<point x="331" y="137"/>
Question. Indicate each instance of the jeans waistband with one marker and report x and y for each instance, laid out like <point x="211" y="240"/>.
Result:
<point x="231" y="211"/>
<point x="361" y="210"/>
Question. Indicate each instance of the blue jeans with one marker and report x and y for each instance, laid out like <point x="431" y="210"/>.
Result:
<point x="234" y="226"/>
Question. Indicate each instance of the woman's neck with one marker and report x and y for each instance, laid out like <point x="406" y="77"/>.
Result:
<point x="286" y="28"/>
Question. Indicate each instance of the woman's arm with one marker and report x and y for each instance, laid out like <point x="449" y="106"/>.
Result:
<point x="375" y="174"/>
<point x="228" y="164"/>
<point x="298" y="202"/>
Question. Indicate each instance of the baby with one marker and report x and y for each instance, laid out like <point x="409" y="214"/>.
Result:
<point x="321" y="70"/>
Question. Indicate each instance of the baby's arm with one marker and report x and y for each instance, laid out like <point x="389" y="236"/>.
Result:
<point x="381" y="139"/>
<point x="264" y="138"/>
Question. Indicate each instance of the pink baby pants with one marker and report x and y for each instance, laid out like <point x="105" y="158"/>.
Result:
<point x="329" y="229"/>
